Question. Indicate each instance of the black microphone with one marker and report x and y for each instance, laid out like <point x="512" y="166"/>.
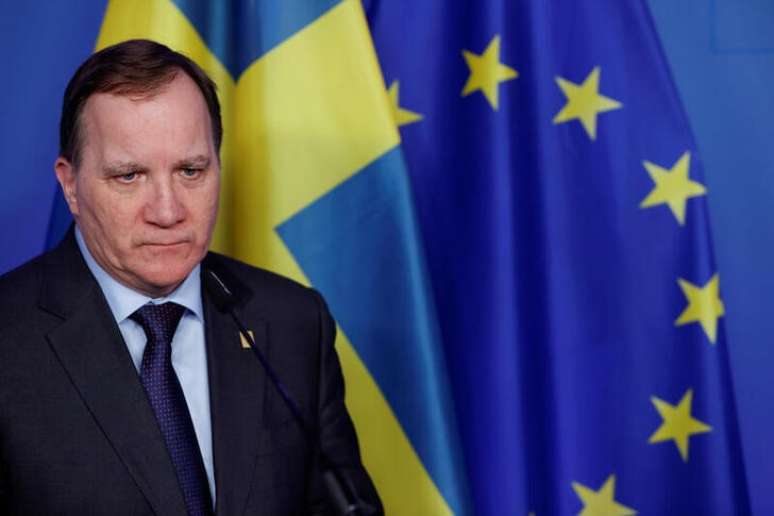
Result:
<point x="339" y="488"/>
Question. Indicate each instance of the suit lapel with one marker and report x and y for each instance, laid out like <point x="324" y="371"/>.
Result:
<point x="237" y="393"/>
<point x="90" y="348"/>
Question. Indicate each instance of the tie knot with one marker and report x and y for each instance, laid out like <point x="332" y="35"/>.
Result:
<point x="159" y="321"/>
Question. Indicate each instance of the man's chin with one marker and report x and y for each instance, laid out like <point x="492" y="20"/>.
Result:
<point x="160" y="269"/>
<point x="161" y="282"/>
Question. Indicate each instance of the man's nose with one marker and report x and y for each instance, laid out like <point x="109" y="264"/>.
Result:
<point x="164" y="207"/>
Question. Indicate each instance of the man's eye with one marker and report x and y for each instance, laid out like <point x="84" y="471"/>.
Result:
<point x="127" y="178"/>
<point x="191" y="173"/>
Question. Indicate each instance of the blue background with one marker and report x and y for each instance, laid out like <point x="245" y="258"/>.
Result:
<point x="721" y="54"/>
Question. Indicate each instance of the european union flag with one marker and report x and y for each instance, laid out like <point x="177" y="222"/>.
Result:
<point x="561" y="197"/>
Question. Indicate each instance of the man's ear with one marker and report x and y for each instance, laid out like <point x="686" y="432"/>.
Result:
<point x="65" y="174"/>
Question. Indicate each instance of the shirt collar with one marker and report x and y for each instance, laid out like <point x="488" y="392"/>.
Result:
<point x="124" y="301"/>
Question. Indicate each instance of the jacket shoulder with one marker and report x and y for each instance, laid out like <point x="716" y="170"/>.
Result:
<point x="20" y="290"/>
<point x="238" y="271"/>
<point x="262" y="288"/>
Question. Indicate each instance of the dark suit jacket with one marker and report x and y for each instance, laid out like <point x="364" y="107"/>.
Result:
<point x="78" y="436"/>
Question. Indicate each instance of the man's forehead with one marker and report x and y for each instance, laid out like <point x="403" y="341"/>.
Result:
<point x="179" y="107"/>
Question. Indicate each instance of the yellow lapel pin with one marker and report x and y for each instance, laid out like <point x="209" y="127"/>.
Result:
<point x="245" y="343"/>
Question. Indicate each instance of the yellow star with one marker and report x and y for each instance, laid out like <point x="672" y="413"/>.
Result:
<point x="402" y="116"/>
<point x="602" y="502"/>
<point x="584" y="102"/>
<point x="678" y="424"/>
<point x="704" y="306"/>
<point x="673" y="187"/>
<point x="487" y="72"/>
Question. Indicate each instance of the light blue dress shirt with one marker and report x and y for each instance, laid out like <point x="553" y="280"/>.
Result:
<point x="189" y="355"/>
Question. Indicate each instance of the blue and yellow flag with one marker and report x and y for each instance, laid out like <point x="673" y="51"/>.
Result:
<point x="562" y="199"/>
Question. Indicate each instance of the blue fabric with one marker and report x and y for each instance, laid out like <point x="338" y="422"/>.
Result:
<point x="557" y="294"/>
<point x="168" y="403"/>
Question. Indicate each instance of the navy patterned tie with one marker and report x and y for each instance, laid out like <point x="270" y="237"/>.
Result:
<point x="168" y="402"/>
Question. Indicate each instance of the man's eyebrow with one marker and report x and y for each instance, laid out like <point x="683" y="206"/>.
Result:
<point x="198" y="161"/>
<point x="119" y="168"/>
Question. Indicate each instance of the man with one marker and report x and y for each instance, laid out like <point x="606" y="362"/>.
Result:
<point x="124" y="385"/>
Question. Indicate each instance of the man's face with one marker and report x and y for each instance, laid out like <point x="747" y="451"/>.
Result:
<point x="145" y="195"/>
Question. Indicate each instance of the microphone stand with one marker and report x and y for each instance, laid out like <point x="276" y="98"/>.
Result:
<point x="342" y="494"/>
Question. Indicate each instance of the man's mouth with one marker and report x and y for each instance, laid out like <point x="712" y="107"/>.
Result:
<point x="165" y="244"/>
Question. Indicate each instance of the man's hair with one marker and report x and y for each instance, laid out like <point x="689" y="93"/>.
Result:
<point x="137" y="67"/>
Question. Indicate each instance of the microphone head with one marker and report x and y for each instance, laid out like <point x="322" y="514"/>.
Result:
<point x="222" y="297"/>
